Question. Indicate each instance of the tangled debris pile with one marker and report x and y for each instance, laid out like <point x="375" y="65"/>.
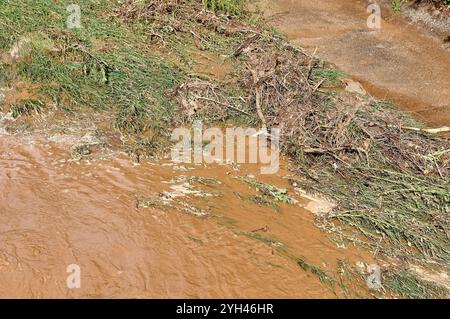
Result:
<point x="208" y="101"/>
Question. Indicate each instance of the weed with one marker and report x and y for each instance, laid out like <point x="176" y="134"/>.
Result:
<point x="27" y="107"/>
<point x="321" y="274"/>
<point x="393" y="209"/>
<point x="269" y="191"/>
<point x="264" y="201"/>
<point x="234" y="7"/>
<point x="327" y="73"/>
<point x="81" y="150"/>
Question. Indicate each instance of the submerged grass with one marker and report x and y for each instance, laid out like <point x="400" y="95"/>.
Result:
<point x="228" y="6"/>
<point x="266" y="239"/>
<point x="405" y="214"/>
<point x="98" y="66"/>
<point x="321" y="274"/>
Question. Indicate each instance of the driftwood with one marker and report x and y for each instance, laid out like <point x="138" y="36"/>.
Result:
<point x="428" y="130"/>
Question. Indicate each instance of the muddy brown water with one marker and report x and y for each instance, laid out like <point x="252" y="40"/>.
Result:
<point x="55" y="212"/>
<point x="398" y="63"/>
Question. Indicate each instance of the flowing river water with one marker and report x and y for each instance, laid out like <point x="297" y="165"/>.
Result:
<point x="55" y="212"/>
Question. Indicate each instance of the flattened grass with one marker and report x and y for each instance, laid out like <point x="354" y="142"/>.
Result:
<point x="229" y="6"/>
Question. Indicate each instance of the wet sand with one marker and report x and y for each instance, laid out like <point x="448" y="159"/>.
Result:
<point x="398" y="62"/>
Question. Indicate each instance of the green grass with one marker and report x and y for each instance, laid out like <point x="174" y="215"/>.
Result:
<point x="398" y="4"/>
<point x="123" y="74"/>
<point x="407" y="285"/>
<point x="321" y="274"/>
<point x="234" y="7"/>
<point x="129" y="80"/>
<point x="269" y="191"/>
<point x="266" y="239"/>
<point x="114" y="67"/>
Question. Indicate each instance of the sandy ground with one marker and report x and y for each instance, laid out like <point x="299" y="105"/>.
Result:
<point x="397" y="62"/>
